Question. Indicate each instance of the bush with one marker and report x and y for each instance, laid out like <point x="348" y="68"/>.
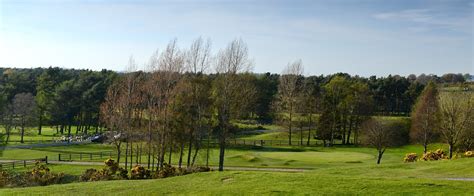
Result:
<point x="42" y="176"/>
<point x="88" y="174"/>
<point x="111" y="171"/>
<point x="139" y="172"/>
<point x="169" y="171"/>
<point x="469" y="154"/>
<point x="410" y="157"/>
<point x="39" y="175"/>
<point x="439" y="154"/>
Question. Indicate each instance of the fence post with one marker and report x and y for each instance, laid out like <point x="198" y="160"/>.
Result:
<point x="46" y="159"/>
<point x="59" y="157"/>
<point x="70" y="157"/>
<point x="24" y="163"/>
<point x="91" y="155"/>
<point x="13" y="164"/>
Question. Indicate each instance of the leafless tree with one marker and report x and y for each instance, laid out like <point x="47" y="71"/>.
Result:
<point x="289" y="91"/>
<point x="227" y="89"/>
<point x="197" y="63"/>
<point x="380" y="135"/>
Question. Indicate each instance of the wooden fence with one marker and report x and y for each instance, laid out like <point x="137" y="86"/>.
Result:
<point x="22" y="163"/>
<point x="79" y="156"/>
<point x="247" y="142"/>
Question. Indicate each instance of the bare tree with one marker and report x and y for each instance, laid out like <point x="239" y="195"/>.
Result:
<point x="380" y="135"/>
<point x="456" y="110"/>
<point x="168" y="74"/>
<point x="288" y="93"/>
<point x="23" y="106"/>
<point x="227" y="89"/>
<point x="197" y="63"/>
<point x="118" y="108"/>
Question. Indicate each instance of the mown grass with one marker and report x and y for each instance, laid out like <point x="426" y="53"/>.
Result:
<point x="400" y="179"/>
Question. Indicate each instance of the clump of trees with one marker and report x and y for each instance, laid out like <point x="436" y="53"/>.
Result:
<point x="174" y="106"/>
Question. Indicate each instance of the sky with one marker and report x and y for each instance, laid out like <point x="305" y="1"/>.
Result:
<point x="359" y="37"/>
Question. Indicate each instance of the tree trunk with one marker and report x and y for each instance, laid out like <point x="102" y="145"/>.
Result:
<point x="348" y="140"/>
<point x="208" y="149"/>
<point x="131" y="155"/>
<point x="289" y="129"/>
<point x="188" y="163"/>
<point x="221" y="153"/>
<point x="451" y="146"/>
<point x="40" y="123"/>
<point x="181" y="155"/>
<point x="119" y="153"/>
<point x="301" y="136"/>
<point x="22" y="133"/>
<point x="380" y="156"/>
<point x="126" y="155"/>
<point x="309" y="130"/>
<point x="171" y="152"/>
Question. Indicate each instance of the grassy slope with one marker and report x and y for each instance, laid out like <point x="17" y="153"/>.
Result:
<point x="417" y="178"/>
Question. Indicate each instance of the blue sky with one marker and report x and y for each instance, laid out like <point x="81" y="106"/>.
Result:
<point x="364" y="37"/>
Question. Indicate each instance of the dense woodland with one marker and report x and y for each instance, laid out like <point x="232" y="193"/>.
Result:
<point x="188" y="96"/>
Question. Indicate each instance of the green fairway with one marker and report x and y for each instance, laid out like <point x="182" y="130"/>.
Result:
<point x="416" y="178"/>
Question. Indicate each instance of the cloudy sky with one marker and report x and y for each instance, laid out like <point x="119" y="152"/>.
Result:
<point x="364" y="37"/>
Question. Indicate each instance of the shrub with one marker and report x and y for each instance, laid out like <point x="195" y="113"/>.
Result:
<point x="139" y="172"/>
<point x="469" y="154"/>
<point x="88" y="174"/>
<point x="39" y="175"/>
<point x="42" y="176"/>
<point x="410" y="157"/>
<point x="111" y="171"/>
<point x="169" y="171"/>
<point x="439" y="154"/>
<point x="166" y="171"/>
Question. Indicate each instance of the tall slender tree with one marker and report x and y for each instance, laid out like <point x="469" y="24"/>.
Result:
<point x="425" y="117"/>
<point x="289" y="90"/>
<point x="227" y="90"/>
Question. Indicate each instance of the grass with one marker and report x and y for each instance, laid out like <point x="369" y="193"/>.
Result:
<point x="334" y="170"/>
<point x="415" y="178"/>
